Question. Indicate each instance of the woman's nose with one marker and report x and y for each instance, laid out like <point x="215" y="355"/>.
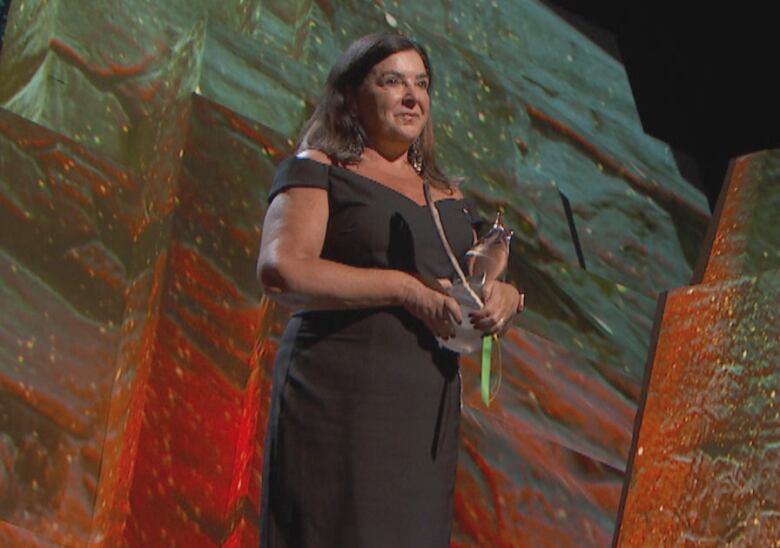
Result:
<point x="410" y="96"/>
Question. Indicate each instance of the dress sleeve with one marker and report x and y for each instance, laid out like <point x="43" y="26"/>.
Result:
<point x="294" y="171"/>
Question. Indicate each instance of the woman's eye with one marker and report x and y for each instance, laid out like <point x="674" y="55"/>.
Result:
<point x="423" y="84"/>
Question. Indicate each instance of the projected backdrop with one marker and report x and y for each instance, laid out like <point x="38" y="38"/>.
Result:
<point x="137" y="145"/>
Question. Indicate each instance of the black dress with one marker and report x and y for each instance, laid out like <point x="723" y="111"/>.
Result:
<point x="362" y="440"/>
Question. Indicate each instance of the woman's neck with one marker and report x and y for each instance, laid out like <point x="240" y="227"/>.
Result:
<point x="391" y="162"/>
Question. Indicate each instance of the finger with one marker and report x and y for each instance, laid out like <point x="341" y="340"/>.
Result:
<point x="453" y="309"/>
<point x="445" y="283"/>
<point x="480" y="314"/>
<point x="441" y="328"/>
<point x="490" y="309"/>
<point x="442" y="325"/>
<point x="480" y="323"/>
<point x="450" y="331"/>
<point x="486" y="325"/>
<point x="445" y="330"/>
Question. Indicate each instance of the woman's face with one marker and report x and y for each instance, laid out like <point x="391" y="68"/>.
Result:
<point x="393" y="101"/>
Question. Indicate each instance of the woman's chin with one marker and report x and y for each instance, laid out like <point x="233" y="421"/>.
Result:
<point x="406" y="133"/>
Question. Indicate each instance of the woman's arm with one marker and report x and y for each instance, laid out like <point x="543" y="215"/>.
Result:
<point x="292" y="272"/>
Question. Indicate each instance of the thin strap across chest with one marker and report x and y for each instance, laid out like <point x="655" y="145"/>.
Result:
<point x="446" y="244"/>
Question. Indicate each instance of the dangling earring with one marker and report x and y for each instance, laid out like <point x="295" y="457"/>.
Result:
<point x="415" y="157"/>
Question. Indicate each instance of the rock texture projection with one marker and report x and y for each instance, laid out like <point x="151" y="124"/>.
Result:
<point x="137" y="143"/>
<point x="705" y="463"/>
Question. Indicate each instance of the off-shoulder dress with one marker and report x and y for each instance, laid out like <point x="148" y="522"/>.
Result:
<point x="362" y="439"/>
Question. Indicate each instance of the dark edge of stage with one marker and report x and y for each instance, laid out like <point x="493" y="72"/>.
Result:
<point x="700" y="76"/>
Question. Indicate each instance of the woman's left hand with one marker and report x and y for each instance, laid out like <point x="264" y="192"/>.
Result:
<point x="502" y="301"/>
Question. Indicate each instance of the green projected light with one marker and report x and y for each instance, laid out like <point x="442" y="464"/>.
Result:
<point x="137" y="144"/>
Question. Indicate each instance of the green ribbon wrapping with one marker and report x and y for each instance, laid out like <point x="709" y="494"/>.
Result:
<point x="487" y="351"/>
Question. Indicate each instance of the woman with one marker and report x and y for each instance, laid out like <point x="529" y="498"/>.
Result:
<point x="361" y="448"/>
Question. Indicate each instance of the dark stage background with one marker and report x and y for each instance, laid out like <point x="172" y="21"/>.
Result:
<point x="639" y="399"/>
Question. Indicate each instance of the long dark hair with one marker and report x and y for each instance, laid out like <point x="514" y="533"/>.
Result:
<point x="334" y="130"/>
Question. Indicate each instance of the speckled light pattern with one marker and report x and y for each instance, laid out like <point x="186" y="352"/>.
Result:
<point x="705" y="462"/>
<point x="137" y="143"/>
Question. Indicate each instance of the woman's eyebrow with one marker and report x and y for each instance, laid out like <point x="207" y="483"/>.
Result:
<point x="396" y="73"/>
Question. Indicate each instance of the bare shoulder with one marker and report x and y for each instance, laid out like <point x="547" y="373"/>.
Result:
<point x="456" y="193"/>
<point x="451" y="192"/>
<point x="314" y="154"/>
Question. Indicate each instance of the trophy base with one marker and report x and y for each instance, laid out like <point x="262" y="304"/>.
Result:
<point x="467" y="340"/>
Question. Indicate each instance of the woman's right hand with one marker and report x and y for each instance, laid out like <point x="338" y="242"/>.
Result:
<point x="429" y="301"/>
